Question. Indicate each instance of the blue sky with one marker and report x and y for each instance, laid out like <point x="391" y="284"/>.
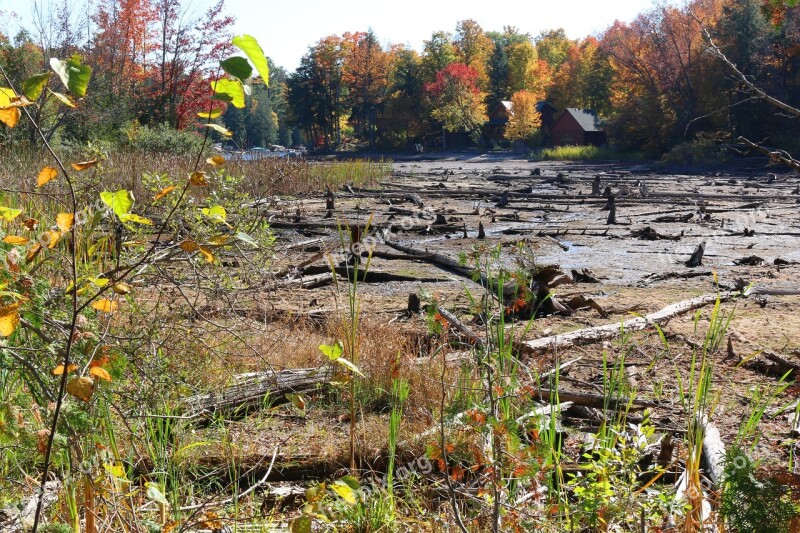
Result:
<point x="286" y="28"/>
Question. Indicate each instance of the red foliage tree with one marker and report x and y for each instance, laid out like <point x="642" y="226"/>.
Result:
<point x="457" y="102"/>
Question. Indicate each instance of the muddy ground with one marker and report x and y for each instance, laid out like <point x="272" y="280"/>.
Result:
<point x="745" y="214"/>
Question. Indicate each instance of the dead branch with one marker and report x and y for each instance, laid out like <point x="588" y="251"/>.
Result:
<point x="610" y="331"/>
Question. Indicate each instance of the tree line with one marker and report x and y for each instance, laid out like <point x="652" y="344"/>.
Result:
<point x="650" y="80"/>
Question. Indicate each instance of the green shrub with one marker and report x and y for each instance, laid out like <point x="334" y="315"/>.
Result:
<point x="163" y="139"/>
<point x="701" y="152"/>
<point x="752" y="502"/>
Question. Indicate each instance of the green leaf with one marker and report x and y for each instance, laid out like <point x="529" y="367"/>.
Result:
<point x="348" y="365"/>
<point x="244" y="237"/>
<point x="238" y="67"/>
<point x="229" y="90"/>
<point x="297" y="400"/>
<point x="333" y="351"/>
<point x="351" y="482"/>
<point x="315" y="492"/>
<point x="73" y="74"/>
<point x="216" y="213"/>
<point x="8" y="214"/>
<point x="120" y="202"/>
<point x="155" y="494"/>
<point x="32" y="87"/>
<point x="301" y="524"/>
<point x="249" y="45"/>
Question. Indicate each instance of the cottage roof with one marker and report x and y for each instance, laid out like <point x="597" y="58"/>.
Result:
<point x="508" y="105"/>
<point x="586" y="118"/>
<point x="544" y="104"/>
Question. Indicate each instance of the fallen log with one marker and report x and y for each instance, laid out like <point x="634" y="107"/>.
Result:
<point x="593" y="400"/>
<point x="713" y="452"/>
<point x="256" y="389"/>
<point x="442" y="261"/>
<point x="783" y="365"/>
<point x="610" y="331"/>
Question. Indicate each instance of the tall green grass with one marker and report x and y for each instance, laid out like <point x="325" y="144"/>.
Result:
<point x="584" y="153"/>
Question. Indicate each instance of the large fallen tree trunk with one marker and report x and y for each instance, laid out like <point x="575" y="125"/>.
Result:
<point x="254" y="390"/>
<point x="440" y="260"/>
<point x="610" y="331"/>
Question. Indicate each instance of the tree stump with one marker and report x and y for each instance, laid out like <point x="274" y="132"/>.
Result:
<point x="612" y="215"/>
<point x="697" y="257"/>
<point x="503" y="200"/>
<point x="596" y="186"/>
<point x="329" y="199"/>
<point x="413" y="306"/>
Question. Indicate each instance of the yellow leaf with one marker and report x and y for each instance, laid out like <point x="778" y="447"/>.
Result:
<point x="6" y="94"/>
<point x="8" y="214"/>
<point x="46" y="175"/>
<point x="57" y="371"/>
<point x="100" y="372"/>
<point x="117" y="470"/>
<point x="9" y="319"/>
<point x="199" y="179"/>
<point x="214" y="113"/>
<point x="163" y="192"/>
<point x="219" y="240"/>
<point x="224" y="131"/>
<point x="33" y="252"/>
<point x="64" y="99"/>
<point x="211" y="521"/>
<point x="82" y="388"/>
<point x="345" y="492"/>
<point x="10" y="116"/>
<point x="206" y="253"/>
<point x="122" y="288"/>
<point x="51" y="238"/>
<point x="65" y="221"/>
<point x="15" y="239"/>
<point x="216" y="161"/>
<point x="189" y="246"/>
<point x="105" y="305"/>
<point x="83" y="165"/>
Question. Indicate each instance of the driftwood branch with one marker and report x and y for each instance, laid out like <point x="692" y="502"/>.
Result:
<point x="610" y="331"/>
<point x="776" y="156"/>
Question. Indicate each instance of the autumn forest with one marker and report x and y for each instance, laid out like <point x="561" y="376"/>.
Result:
<point x="652" y="80"/>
